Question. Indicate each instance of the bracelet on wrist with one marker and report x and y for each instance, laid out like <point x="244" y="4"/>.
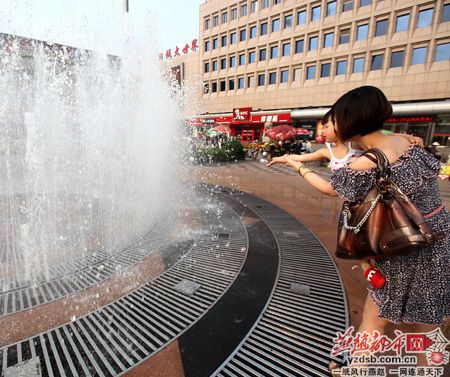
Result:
<point x="308" y="171"/>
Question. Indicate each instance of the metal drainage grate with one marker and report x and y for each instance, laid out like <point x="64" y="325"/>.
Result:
<point x="124" y="333"/>
<point x="69" y="278"/>
<point x="295" y="334"/>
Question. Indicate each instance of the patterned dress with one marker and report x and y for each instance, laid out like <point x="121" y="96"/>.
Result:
<point x="417" y="286"/>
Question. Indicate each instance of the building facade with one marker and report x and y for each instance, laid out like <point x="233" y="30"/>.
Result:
<point x="280" y="58"/>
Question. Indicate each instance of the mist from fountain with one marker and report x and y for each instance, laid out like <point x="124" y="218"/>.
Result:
<point x="88" y="150"/>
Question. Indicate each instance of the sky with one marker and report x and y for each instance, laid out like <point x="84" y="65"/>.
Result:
<point x="100" y="24"/>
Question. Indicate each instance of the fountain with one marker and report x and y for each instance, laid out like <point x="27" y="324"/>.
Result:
<point x="87" y="149"/>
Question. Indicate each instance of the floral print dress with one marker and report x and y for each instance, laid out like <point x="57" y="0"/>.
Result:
<point x="417" y="286"/>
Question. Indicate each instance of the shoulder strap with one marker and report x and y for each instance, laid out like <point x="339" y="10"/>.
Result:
<point x="330" y="149"/>
<point x="381" y="160"/>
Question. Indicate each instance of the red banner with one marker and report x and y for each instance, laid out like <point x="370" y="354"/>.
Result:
<point x="271" y="118"/>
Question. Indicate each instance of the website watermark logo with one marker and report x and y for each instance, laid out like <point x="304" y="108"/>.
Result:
<point x="366" y="353"/>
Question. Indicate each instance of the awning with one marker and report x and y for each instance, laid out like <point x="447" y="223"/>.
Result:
<point x="399" y="109"/>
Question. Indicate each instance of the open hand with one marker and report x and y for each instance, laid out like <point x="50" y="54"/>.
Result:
<point x="277" y="160"/>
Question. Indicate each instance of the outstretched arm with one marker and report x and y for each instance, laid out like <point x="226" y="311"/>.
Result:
<point x="308" y="157"/>
<point x="312" y="178"/>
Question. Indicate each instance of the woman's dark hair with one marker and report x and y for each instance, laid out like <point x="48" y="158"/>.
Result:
<point x="360" y="112"/>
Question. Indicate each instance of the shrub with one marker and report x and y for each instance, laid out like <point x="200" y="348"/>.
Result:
<point x="231" y="151"/>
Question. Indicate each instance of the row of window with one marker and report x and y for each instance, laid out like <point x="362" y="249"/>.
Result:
<point x="340" y="65"/>
<point x="315" y="12"/>
<point x="243" y="11"/>
<point x="272" y="52"/>
<point x="381" y="27"/>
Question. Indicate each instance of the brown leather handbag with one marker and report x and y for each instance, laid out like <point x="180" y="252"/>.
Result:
<point x="385" y="223"/>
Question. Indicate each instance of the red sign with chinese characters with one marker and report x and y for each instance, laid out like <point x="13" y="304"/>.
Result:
<point x="409" y="120"/>
<point x="168" y="54"/>
<point x="271" y="118"/>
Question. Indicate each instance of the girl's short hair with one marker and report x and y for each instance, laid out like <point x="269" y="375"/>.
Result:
<point x="326" y="117"/>
<point x="360" y="111"/>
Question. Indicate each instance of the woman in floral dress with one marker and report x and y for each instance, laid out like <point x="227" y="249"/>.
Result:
<point x="417" y="288"/>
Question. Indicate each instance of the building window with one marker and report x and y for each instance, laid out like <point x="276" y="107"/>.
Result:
<point x="214" y="87"/>
<point x="301" y="17"/>
<point x="341" y="67"/>
<point x="265" y="4"/>
<point x="446" y="13"/>
<point x="347" y="5"/>
<point x="206" y="69"/>
<point x="215" y="20"/>
<point x="262" y="54"/>
<point x="232" y="61"/>
<point x="377" y="62"/>
<point x="274" y="52"/>
<point x="419" y="55"/>
<point x="261" y="79"/>
<point x="425" y="18"/>
<point x="240" y="83"/>
<point x="231" y="84"/>
<point x="328" y="40"/>
<point x="250" y="81"/>
<point x="402" y="23"/>
<point x="381" y="28"/>
<point x="205" y="87"/>
<point x="214" y="65"/>
<point x="288" y="21"/>
<point x="251" y="57"/>
<point x="362" y="32"/>
<point x="224" y="17"/>
<point x="275" y="2"/>
<point x="234" y="14"/>
<point x="315" y="14"/>
<point x="207" y="24"/>
<point x="313" y="43"/>
<point x="243" y="10"/>
<point x="207" y="45"/>
<point x="223" y="63"/>
<point x="224" y="40"/>
<point x="215" y="43"/>
<point x="222" y="86"/>
<point x="442" y="52"/>
<point x="253" y="6"/>
<point x="297" y="74"/>
<point x="344" y="36"/>
<point x="358" y="65"/>
<point x="252" y="32"/>
<point x="284" y="76"/>
<point x="241" y="59"/>
<point x="363" y="3"/>
<point x="311" y="72"/>
<point x="272" y="78"/>
<point x="325" y="70"/>
<point x="331" y="8"/>
<point x="299" y="46"/>
<point x="232" y="38"/>
<point x="397" y="58"/>
<point x="275" y="25"/>
<point x="263" y="28"/>
<point x="286" y="49"/>
<point x="242" y="35"/>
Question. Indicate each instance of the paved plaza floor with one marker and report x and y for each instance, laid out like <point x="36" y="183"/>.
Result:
<point x="285" y="188"/>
